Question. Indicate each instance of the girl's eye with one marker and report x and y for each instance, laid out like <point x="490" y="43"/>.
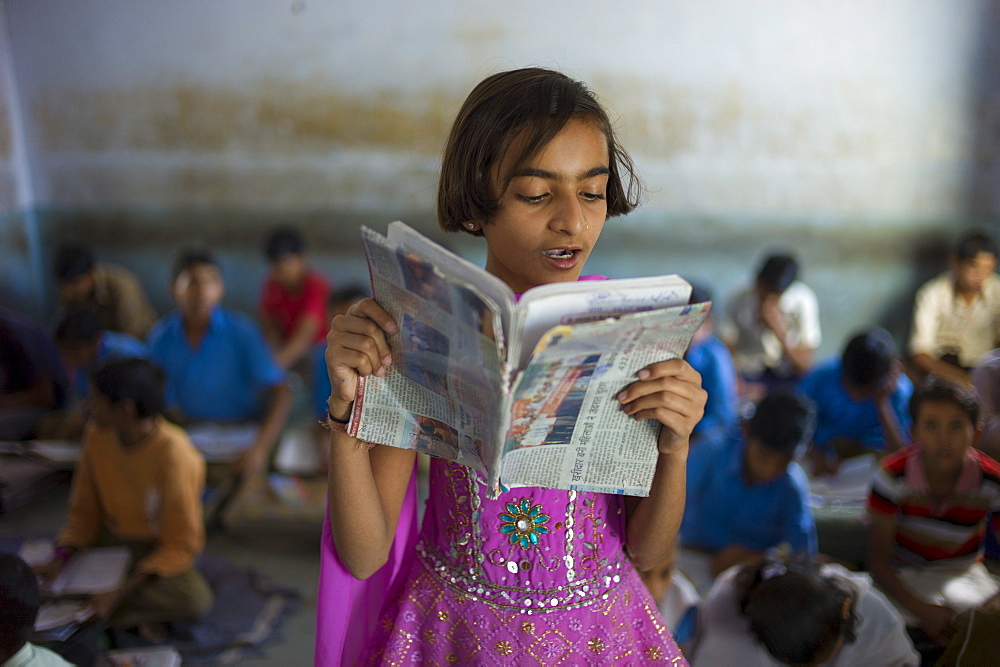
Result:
<point x="593" y="196"/>
<point x="536" y="199"/>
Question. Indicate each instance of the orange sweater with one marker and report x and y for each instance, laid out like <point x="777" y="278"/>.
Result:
<point x="148" y="493"/>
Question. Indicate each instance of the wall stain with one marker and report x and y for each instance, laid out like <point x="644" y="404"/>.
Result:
<point x="271" y="118"/>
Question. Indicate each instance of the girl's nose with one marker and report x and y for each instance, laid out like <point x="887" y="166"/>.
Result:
<point x="568" y="218"/>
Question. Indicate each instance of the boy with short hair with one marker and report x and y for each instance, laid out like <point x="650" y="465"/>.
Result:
<point x="745" y="493"/>
<point x="929" y="507"/>
<point x="115" y="293"/>
<point x="773" y="327"/>
<point x="83" y="345"/>
<point x="19" y="602"/>
<point x="219" y="369"/>
<point x="860" y="400"/>
<point x="293" y="301"/>
<point x="139" y="483"/>
<point x="956" y="315"/>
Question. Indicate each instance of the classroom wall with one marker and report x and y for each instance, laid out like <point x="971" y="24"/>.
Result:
<point x="863" y="135"/>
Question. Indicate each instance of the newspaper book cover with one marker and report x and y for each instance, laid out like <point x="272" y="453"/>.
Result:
<point x="521" y="390"/>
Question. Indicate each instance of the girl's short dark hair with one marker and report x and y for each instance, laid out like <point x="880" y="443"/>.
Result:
<point x="531" y="105"/>
<point x="795" y="611"/>
<point x="137" y="380"/>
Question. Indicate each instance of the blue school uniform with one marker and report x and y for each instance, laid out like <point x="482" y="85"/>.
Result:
<point x="722" y="509"/>
<point x="838" y="416"/>
<point x="712" y="359"/>
<point x="225" y="377"/>
<point x="113" y="345"/>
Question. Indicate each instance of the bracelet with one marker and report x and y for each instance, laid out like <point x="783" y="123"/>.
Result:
<point x="334" y="424"/>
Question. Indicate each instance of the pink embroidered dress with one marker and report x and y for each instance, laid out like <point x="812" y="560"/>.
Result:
<point x="537" y="577"/>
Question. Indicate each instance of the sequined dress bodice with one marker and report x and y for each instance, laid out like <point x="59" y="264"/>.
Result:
<point x="538" y="576"/>
<point x="532" y="549"/>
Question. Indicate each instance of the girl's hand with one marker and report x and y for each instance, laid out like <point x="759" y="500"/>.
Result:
<point x="669" y="392"/>
<point x="356" y="346"/>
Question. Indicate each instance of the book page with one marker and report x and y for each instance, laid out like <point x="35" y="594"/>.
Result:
<point x="567" y="429"/>
<point x="92" y="571"/>
<point x="439" y="396"/>
<point x="547" y="306"/>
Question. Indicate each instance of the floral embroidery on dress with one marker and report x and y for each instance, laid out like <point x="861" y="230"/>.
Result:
<point x="524" y="523"/>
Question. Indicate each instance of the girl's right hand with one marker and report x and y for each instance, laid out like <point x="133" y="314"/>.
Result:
<point x="356" y="346"/>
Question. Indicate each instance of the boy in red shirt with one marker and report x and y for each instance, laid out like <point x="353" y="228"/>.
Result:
<point x="293" y="301"/>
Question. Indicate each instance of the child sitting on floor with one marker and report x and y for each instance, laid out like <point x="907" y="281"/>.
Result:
<point x="860" y="399"/>
<point x="19" y="602"/>
<point x="929" y="506"/>
<point x="791" y="612"/>
<point x="745" y="494"/>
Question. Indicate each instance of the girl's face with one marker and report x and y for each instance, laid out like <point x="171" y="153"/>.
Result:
<point x="552" y="213"/>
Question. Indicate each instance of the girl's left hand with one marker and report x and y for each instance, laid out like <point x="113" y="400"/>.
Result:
<point x="669" y="392"/>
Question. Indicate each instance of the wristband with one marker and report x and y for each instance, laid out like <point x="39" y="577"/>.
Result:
<point x="334" y="424"/>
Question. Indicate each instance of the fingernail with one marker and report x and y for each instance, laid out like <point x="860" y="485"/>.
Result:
<point x="643" y="374"/>
<point x="391" y="328"/>
<point x="387" y="360"/>
<point x="621" y="397"/>
<point x="380" y="372"/>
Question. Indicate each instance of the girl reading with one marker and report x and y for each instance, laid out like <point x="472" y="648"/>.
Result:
<point x="549" y="576"/>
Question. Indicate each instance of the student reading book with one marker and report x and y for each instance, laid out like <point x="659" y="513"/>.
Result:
<point x="466" y="385"/>
<point x="540" y="575"/>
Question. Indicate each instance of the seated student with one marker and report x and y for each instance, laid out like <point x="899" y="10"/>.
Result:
<point x="84" y="346"/>
<point x="956" y="315"/>
<point x="293" y="301"/>
<point x="115" y="293"/>
<point x="745" y="494"/>
<point x="860" y="399"/>
<point x="929" y="508"/>
<point x="773" y="327"/>
<point x="790" y="612"/>
<point x="138" y="483"/>
<point x="33" y="381"/>
<point x="219" y="369"/>
<point x="19" y="602"/>
<point x="714" y="362"/>
<point x="986" y="380"/>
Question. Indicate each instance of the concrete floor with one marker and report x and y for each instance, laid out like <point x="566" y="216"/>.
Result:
<point x="289" y="558"/>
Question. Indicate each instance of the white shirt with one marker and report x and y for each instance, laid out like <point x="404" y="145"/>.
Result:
<point x="725" y="637"/>
<point x="755" y="347"/>
<point x="943" y="324"/>
<point x="35" y="656"/>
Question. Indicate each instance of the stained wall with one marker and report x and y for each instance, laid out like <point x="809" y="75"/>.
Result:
<point x="863" y="135"/>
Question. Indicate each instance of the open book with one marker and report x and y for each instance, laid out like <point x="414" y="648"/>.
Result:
<point x="523" y="392"/>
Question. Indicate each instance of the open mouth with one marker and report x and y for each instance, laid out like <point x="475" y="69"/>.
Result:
<point x="561" y="253"/>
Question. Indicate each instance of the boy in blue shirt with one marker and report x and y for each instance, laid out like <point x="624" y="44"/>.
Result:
<point x="714" y="362"/>
<point x="861" y="401"/>
<point x="219" y="368"/>
<point x="745" y="494"/>
<point x="84" y="345"/>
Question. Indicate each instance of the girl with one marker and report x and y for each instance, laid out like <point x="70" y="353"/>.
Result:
<point x="791" y="612"/>
<point x="533" y="165"/>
